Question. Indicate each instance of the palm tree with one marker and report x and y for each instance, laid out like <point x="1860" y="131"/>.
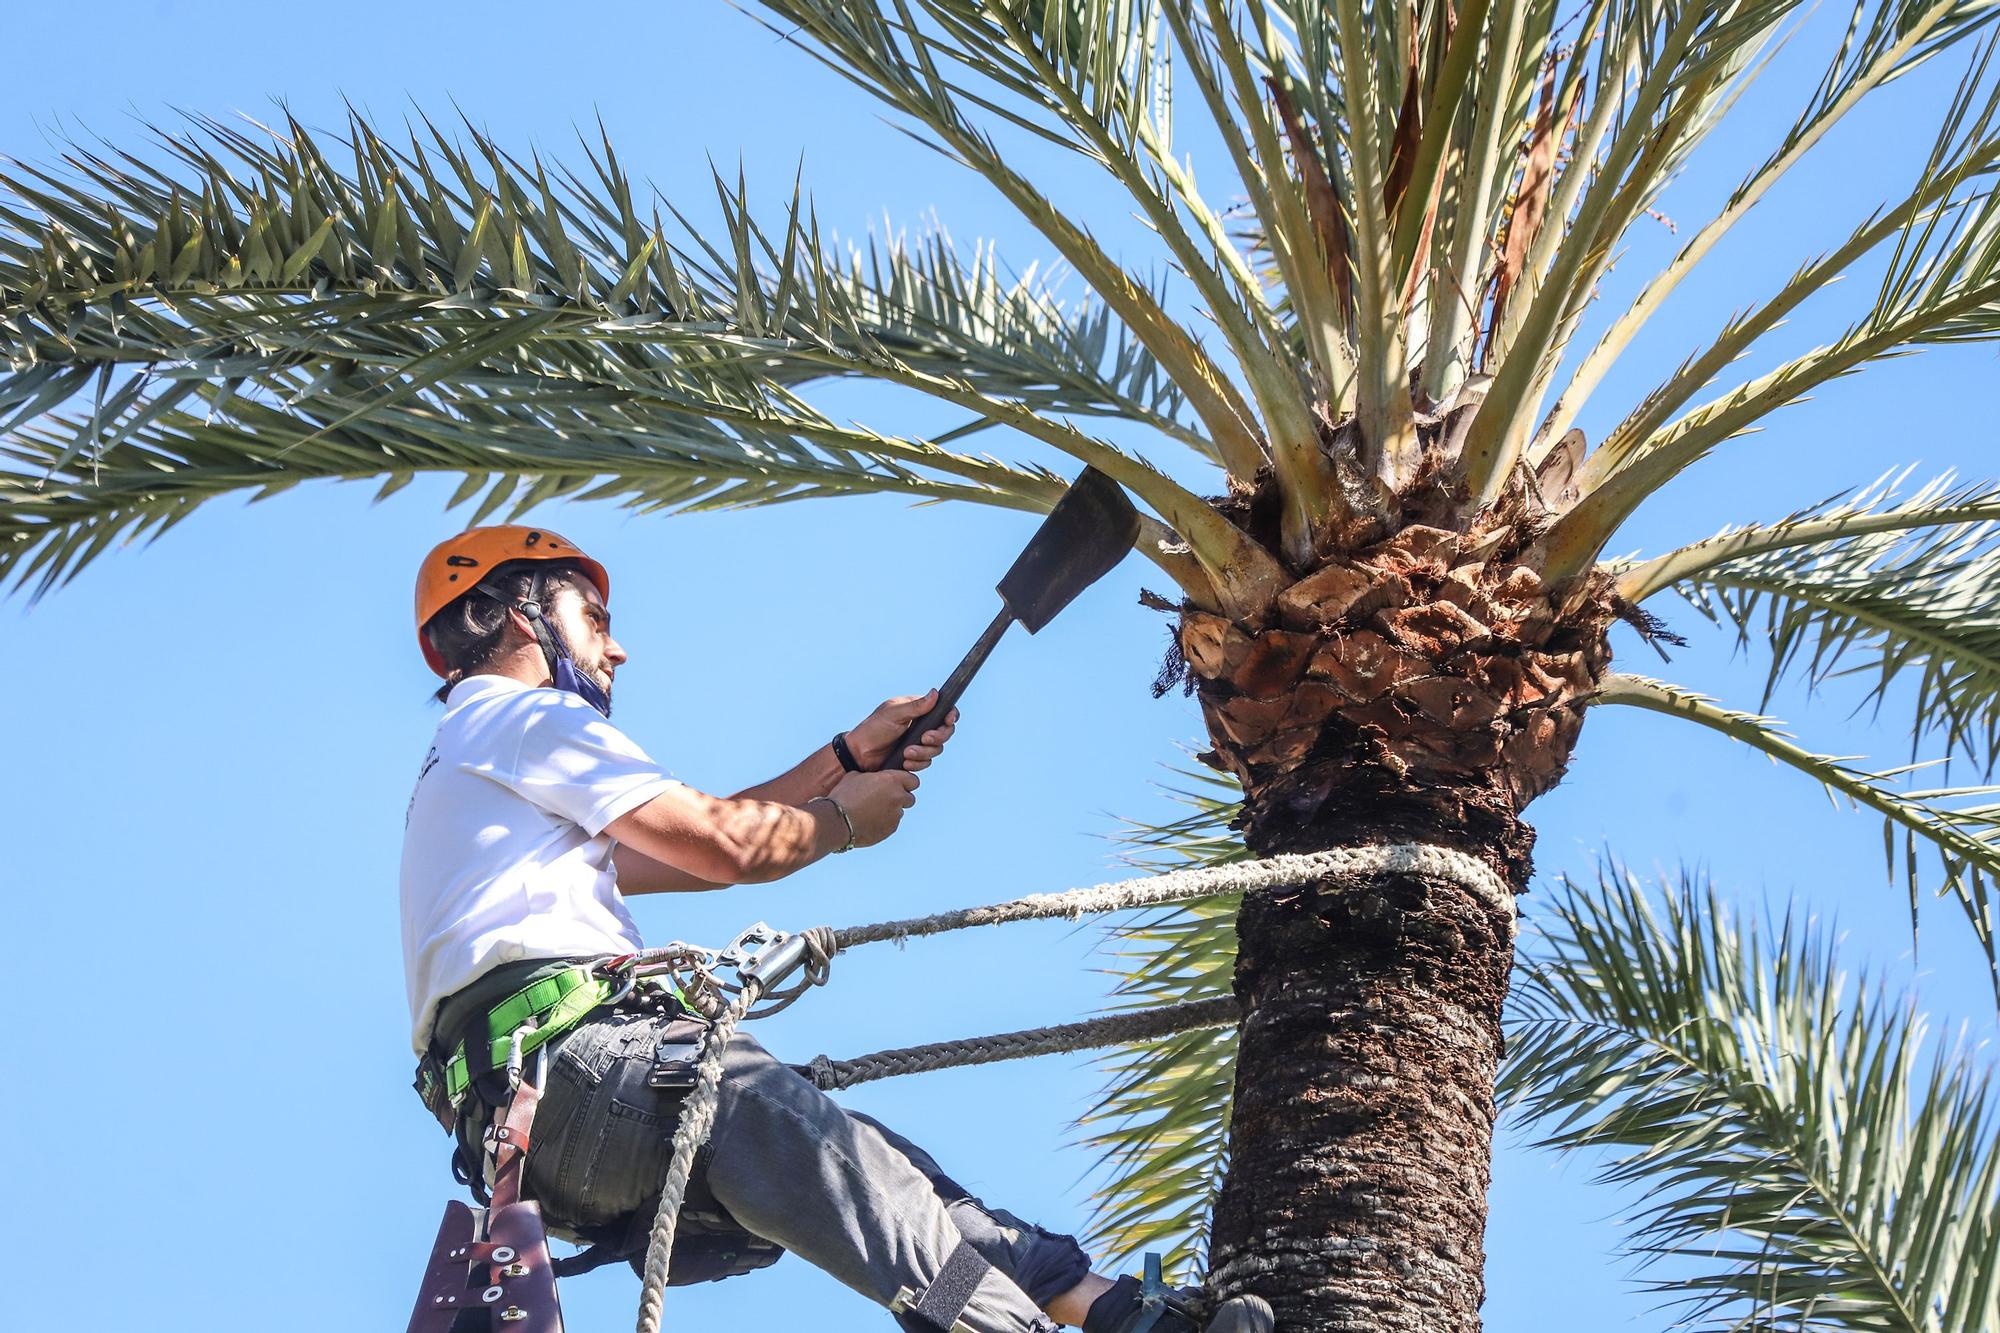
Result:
<point x="1395" y="608"/>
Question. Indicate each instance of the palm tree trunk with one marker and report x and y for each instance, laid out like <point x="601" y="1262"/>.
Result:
<point x="1361" y="1140"/>
<point x="1421" y="690"/>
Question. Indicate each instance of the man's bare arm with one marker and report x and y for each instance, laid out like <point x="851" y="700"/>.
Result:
<point x="640" y="873"/>
<point x="718" y="840"/>
<point x="727" y="840"/>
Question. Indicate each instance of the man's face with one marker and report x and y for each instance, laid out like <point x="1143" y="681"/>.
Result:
<point x="584" y="623"/>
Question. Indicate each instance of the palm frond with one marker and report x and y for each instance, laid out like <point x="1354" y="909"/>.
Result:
<point x="1799" y="1153"/>
<point x="1160" y="1126"/>
<point x="66" y="496"/>
<point x="1960" y="825"/>
<point x="126" y="261"/>
<point x="1474" y="188"/>
<point x="1372" y="94"/>
<point x="1867" y="588"/>
<point x="1883" y="43"/>
<point x="432" y="277"/>
<point x="1942" y="286"/>
<point x="1103" y="73"/>
<point x="1687" y="63"/>
<point x="1964" y="154"/>
<point x="1217" y="56"/>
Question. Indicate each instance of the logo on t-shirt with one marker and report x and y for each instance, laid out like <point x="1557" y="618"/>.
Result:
<point x="430" y="762"/>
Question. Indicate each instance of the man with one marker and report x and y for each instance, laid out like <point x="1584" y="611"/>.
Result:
<point x="533" y="818"/>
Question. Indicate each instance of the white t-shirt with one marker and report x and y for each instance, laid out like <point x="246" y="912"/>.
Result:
<point x="504" y="851"/>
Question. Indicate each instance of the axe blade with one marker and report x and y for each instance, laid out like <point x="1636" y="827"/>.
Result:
<point x="1089" y="531"/>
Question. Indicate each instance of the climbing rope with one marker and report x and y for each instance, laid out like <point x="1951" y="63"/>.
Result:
<point x="1177" y="886"/>
<point x="697" y="1120"/>
<point x="1107" y="1030"/>
<point x="694" y="969"/>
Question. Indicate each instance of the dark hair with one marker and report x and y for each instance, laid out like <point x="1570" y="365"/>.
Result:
<point x="469" y="633"/>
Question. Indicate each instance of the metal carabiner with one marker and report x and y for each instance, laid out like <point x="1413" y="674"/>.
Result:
<point x="514" y="1058"/>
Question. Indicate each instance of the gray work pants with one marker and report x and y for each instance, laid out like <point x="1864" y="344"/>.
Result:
<point x="788" y="1164"/>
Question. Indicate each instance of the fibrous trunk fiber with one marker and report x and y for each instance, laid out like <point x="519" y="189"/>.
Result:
<point x="1362" y="1132"/>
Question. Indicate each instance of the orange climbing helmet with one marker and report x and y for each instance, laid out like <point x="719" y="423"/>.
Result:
<point x="455" y="566"/>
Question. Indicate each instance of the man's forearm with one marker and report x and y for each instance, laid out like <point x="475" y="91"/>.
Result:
<point x="732" y="841"/>
<point x="780" y="839"/>
<point x="813" y="776"/>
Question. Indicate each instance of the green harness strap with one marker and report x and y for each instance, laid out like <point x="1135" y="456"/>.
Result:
<point x="540" y="1012"/>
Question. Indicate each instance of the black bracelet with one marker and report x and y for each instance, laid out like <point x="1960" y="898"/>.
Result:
<point x="843" y="754"/>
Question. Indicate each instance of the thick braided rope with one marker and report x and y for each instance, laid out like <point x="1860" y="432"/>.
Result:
<point x="696" y="1123"/>
<point x="1108" y="1030"/>
<point x="1207" y="881"/>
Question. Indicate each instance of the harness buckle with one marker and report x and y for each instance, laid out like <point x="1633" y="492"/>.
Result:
<point x="674" y="1063"/>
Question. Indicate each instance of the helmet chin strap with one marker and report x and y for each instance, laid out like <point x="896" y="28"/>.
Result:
<point x="564" y="674"/>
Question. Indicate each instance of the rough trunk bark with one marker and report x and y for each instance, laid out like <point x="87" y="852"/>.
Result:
<point x="1361" y="1141"/>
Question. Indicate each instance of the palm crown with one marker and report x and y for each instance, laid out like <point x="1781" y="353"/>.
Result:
<point x="1430" y="198"/>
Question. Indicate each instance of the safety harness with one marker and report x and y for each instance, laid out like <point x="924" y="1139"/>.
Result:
<point x="494" y="1261"/>
<point x="516" y="1028"/>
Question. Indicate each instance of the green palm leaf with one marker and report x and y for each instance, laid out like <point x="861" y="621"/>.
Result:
<point x="1872" y="589"/>
<point x="1795" y="1143"/>
<point x="92" y="264"/>
<point x="65" y="496"/>
<point x="1942" y="286"/>
<point x="1959" y="825"/>
<point x="1089" y="69"/>
<point x="1884" y="42"/>
<point x="343" y="297"/>
<point x="1689" y="62"/>
<point x="1160" y="1126"/>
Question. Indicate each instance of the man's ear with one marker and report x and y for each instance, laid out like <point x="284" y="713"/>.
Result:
<point x="521" y="625"/>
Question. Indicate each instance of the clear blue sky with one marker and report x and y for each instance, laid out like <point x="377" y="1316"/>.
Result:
<point x="211" y="741"/>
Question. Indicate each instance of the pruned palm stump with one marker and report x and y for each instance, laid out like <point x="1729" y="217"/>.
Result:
<point x="1372" y="335"/>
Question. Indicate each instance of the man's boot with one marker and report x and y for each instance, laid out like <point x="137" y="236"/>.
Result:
<point x="1151" y="1306"/>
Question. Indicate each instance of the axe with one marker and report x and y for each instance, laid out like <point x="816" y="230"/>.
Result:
<point x="1090" y="529"/>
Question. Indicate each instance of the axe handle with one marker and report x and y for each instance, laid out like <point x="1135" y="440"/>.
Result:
<point x="954" y="685"/>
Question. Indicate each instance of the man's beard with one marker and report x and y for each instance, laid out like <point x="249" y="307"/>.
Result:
<point x="596" y="672"/>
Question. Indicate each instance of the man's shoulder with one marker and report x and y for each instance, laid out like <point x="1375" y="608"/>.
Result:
<point x="545" y="720"/>
<point x="514" y="702"/>
<point x="494" y="721"/>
